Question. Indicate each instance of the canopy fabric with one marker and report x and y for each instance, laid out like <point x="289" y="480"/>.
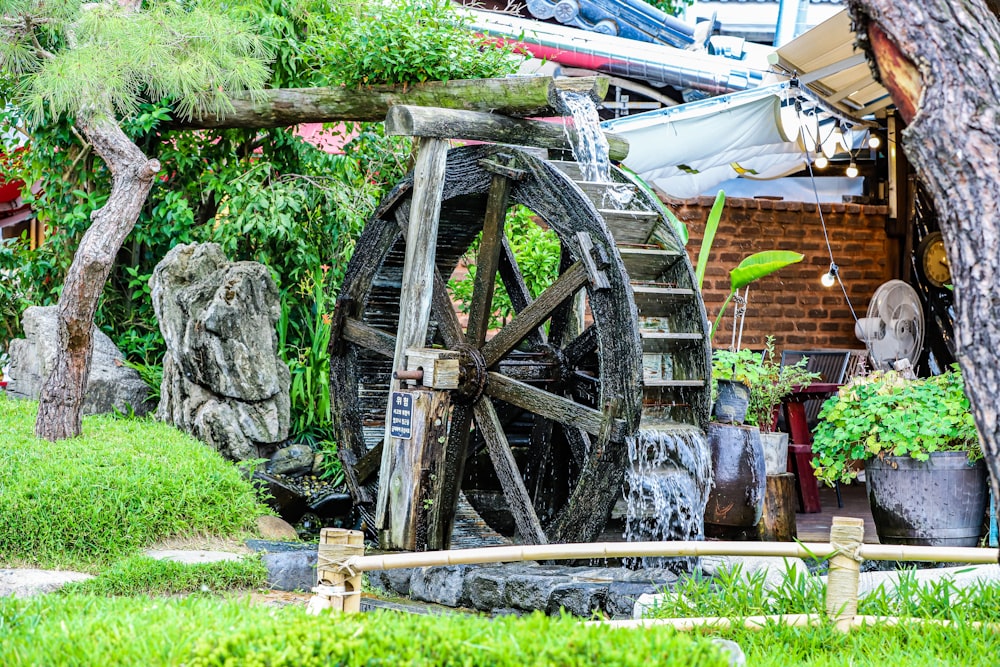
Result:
<point x="688" y="149"/>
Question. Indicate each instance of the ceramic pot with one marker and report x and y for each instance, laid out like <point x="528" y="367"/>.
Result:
<point x="738" y="476"/>
<point x="775" y="446"/>
<point x="732" y="403"/>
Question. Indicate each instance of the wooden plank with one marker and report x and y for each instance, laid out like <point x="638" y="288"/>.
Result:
<point x="531" y="317"/>
<point x="487" y="261"/>
<point x="630" y="226"/>
<point x="517" y="290"/>
<point x="647" y="264"/>
<point x="581" y="346"/>
<point x="652" y="300"/>
<point x="415" y="474"/>
<point x="368" y="337"/>
<point x="283" y="107"/>
<point x="550" y="405"/>
<point x="514" y="491"/>
<point x="413" y="121"/>
<point x="417" y="289"/>
<point x="604" y="194"/>
<point x="655" y="341"/>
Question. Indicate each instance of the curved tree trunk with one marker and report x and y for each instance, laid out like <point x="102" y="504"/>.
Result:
<point x="940" y="60"/>
<point x="61" y="399"/>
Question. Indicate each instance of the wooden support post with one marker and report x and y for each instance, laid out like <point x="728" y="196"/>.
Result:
<point x="415" y="474"/>
<point x="777" y="522"/>
<point x="338" y="588"/>
<point x="418" y="283"/>
<point x="846" y="536"/>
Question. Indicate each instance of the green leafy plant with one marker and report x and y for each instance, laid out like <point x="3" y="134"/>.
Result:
<point x="770" y="382"/>
<point x="885" y="414"/>
<point x="370" y="42"/>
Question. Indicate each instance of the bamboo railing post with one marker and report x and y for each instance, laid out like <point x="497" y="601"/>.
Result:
<point x="846" y="536"/>
<point x="338" y="586"/>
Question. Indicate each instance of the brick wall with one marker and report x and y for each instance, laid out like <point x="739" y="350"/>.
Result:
<point x="792" y="305"/>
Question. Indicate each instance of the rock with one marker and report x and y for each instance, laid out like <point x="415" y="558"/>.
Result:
<point x="399" y="580"/>
<point x="24" y="583"/>
<point x="577" y="598"/>
<point x="622" y="597"/>
<point x="111" y="386"/>
<point x="737" y="658"/>
<point x="223" y="381"/>
<point x="529" y="592"/>
<point x="443" y="585"/>
<point x="292" y="461"/>
<point x="317" y="466"/>
<point x="485" y="588"/>
<point x="291" y="570"/>
<point x="276" y="528"/>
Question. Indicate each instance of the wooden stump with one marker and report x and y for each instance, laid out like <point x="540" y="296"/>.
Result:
<point x="777" y="523"/>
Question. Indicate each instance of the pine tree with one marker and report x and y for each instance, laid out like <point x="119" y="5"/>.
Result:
<point x="98" y="62"/>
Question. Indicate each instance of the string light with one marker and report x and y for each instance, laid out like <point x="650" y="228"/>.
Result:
<point x="821" y="162"/>
<point x="829" y="279"/>
<point x="852" y="169"/>
<point x="874" y="141"/>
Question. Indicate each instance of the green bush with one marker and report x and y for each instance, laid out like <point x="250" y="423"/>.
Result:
<point x="141" y="575"/>
<point x="123" y="485"/>
<point x="81" y="630"/>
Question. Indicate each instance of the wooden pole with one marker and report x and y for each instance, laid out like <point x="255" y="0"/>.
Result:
<point x="338" y="587"/>
<point x="846" y="536"/>
<point x="284" y="107"/>
<point x="417" y="284"/>
<point x="479" y="126"/>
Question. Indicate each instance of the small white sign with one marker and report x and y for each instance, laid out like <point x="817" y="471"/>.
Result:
<point x="401" y="415"/>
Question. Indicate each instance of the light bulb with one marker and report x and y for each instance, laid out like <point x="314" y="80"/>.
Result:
<point x="831" y="145"/>
<point x="821" y="161"/>
<point x="874" y="141"/>
<point x="828" y="279"/>
<point x="852" y="170"/>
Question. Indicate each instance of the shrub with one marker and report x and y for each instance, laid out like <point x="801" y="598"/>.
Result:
<point x="120" y="487"/>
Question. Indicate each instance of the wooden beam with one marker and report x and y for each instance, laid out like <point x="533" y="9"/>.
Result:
<point x="416" y="121"/>
<point x="284" y="107"/>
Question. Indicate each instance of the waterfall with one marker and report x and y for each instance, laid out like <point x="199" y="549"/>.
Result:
<point x="666" y="489"/>
<point x="590" y="146"/>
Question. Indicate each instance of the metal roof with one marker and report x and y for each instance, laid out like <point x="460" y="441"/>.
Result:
<point x="826" y="62"/>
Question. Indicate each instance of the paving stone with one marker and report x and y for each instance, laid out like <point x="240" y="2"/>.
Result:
<point x="22" y="583"/>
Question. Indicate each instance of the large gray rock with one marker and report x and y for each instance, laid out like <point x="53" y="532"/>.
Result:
<point x="111" y="386"/>
<point x="223" y="380"/>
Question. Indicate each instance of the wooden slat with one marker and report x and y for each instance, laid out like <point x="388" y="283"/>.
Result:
<point x="601" y="193"/>
<point x="581" y="346"/>
<point x="517" y="290"/>
<point x="647" y="263"/>
<point x="653" y="341"/>
<point x="676" y="384"/>
<point x="510" y="477"/>
<point x="487" y="261"/>
<point x="549" y="405"/>
<point x="659" y="300"/>
<point x="531" y="317"/>
<point x="630" y="226"/>
<point x="369" y="337"/>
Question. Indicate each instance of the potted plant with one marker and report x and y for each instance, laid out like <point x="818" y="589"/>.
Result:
<point x="924" y="472"/>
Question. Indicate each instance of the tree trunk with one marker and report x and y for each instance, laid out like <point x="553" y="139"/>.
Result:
<point x="947" y="54"/>
<point x="61" y="400"/>
<point x="515" y="96"/>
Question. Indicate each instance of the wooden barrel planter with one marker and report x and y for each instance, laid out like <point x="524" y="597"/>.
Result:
<point x="739" y="478"/>
<point x="938" y="502"/>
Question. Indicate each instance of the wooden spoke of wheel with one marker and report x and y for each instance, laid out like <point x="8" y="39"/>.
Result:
<point x="581" y="346"/>
<point x="550" y="406"/>
<point x="510" y="477"/>
<point x="487" y="261"/>
<point x="517" y="290"/>
<point x="531" y="317"/>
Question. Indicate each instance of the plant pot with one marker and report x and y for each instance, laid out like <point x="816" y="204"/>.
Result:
<point x="738" y="476"/>
<point x="938" y="502"/>
<point x="775" y="446"/>
<point x="732" y="403"/>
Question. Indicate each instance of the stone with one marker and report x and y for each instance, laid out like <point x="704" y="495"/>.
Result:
<point x="622" y="596"/>
<point x="223" y="380"/>
<point x="276" y="528"/>
<point x="577" y="598"/>
<point x="399" y="580"/>
<point x="111" y="386"/>
<point x="22" y="583"/>
<point x="442" y="585"/>
<point x="291" y="461"/>
<point x="737" y="658"/>
<point x="529" y="592"/>
<point x="485" y="589"/>
<point x="291" y="570"/>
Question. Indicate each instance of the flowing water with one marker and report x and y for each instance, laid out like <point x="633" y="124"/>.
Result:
<point x="590" y="146"/>
<point x="666" y="489"/>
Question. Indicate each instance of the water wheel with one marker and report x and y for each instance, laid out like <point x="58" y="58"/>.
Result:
<point x="547" y="403"/>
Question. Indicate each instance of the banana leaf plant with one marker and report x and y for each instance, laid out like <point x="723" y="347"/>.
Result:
<point x="755" y="266"/>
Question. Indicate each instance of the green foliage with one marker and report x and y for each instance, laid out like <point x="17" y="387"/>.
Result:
<point x="672" y="7"/>
<point x="121" y="487"/>
<point x="753" y="267"/>
<point x="200" y="631"/>
<point x="708" y="238"/>
<point x="142" y="575"/>
<point x="537" y="253"/>
<point x="886" y="415"/>
<point x="191" y="54"/>
<point x="735" y="596"/>
<point x="370" y="42"/>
